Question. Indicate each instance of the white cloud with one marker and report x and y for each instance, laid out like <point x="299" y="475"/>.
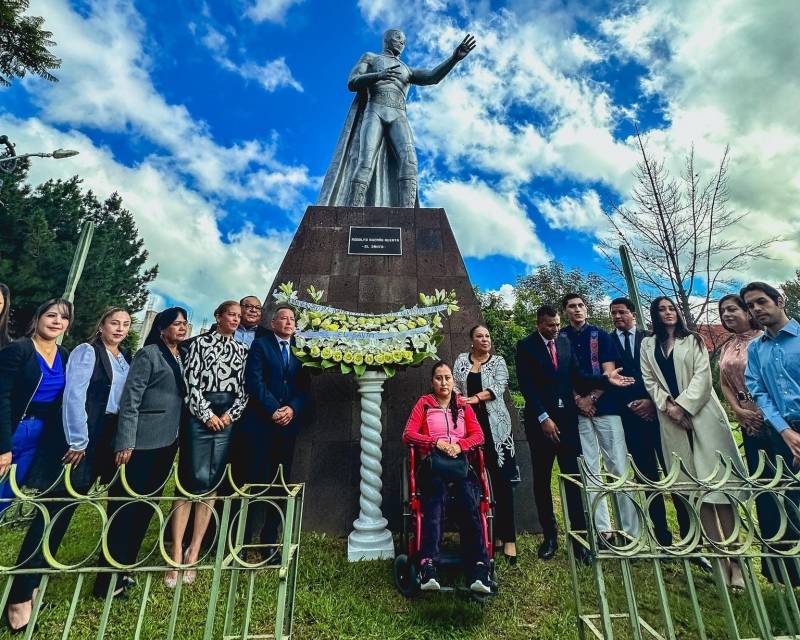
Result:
<point x="487" y="222"/>
<point x="506" y="292"/>
<point x="105" y="84"/>
<point x="270" y="10"/>
<point x="198" y="266"/>
<point x="725" y="72"/>
<point x="271" y="75"/>
<point x="583" y="213"/>
<point x="522" y="105"/>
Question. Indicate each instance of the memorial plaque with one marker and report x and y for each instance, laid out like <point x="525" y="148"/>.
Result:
<point x="375" y="241"/>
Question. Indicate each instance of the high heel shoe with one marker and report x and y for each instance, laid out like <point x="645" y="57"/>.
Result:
<point x="735" y="582"/>
<point x="189" y="575"/>
<point x="16" y="630"/>
<point x="171" y="579"/>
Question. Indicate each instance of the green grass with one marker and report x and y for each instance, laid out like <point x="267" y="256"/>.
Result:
<point x="338" y="600"/>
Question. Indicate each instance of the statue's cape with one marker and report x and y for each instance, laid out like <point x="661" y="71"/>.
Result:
<point x="382" y="191"/>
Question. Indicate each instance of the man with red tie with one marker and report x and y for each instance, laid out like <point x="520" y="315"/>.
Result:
<point x="548" y="377"/>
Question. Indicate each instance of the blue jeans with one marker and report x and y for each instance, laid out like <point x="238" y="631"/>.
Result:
<point x="434" y="496"/>
<point x="23" y="449"/>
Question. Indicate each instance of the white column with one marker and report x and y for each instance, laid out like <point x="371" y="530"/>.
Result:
<point x="370" y="540"/>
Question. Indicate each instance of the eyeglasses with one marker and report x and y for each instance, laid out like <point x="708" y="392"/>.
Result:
<point x="251" y="307"/>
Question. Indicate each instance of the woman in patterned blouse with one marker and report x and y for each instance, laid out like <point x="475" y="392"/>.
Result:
<point x="214" y="374"/>
<point x="482" y="378"/>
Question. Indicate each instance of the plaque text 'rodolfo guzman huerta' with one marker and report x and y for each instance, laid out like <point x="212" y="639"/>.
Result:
<point x="375" y="241"/>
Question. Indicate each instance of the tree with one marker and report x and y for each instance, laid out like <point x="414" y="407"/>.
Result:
<point x="547" y="285"/>
<point x="24" y="44"/>
<point x="678" y="234"/>
<point x="791" y="292"/>
<point x="39" y="231"/>
<point x="504" y="330"/>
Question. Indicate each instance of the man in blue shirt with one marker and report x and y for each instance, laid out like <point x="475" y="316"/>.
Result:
<point x="773" y="367"/>
<point x="250" y="327"/>
<point x="599" y="422"/>
<point x="773" y="379"/>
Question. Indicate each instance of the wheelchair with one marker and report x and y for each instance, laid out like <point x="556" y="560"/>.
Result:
<point x="406" y="565"/>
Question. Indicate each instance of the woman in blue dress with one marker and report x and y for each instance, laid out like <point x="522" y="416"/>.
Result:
<point x="31" y="433"/>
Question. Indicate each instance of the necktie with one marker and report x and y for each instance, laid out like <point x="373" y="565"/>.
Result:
<point x="628" y="350"/>
<point x="551" y="347"/>
<point x="285" y="353"/>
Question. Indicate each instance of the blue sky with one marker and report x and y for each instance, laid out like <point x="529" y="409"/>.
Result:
<point x="216" y="120"/>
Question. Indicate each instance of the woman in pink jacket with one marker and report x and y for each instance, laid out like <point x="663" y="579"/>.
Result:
<point x="444" y="428"/>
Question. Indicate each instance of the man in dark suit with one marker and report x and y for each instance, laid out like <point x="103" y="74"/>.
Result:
<point x="278" y="387"/>
<point x="639" y="418"/>
<point x="548" y="376"/>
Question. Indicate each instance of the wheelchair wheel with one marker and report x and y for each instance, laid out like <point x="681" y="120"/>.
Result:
<point x="406" y="577"/>
<point x="490" y="515"/>
<point x="406" y="516"/>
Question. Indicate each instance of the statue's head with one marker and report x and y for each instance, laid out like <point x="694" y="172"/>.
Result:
<point x="394" y="40"/>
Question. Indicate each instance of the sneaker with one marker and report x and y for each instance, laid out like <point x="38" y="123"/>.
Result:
<point x="427" y="576"/>
<point x="481" y="583"/>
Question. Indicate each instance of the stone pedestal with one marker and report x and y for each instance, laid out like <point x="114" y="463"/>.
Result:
<point x="327" y="456"/>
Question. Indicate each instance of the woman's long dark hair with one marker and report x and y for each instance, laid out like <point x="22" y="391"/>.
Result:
<point x="754" y="324"/>
<point x="162" y="321"/>
<point x="453" y="406"/>
<point x="660" y="329"/>
<point x="65" y="306"/>
<point x="6" y="293"/>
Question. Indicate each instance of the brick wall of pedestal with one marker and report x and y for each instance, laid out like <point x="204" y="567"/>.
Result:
<point x="327" y="456"/>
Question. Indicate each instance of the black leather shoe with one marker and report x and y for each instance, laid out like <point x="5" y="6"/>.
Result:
<point x="547" y="550"/>
<point x="584" y="556"/>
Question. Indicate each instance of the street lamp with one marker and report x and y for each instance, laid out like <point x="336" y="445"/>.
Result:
<point x="9" y="157"/>
<point x="8" y="164"/>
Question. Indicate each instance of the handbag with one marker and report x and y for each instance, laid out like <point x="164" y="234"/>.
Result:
<point x="447" y="467"/>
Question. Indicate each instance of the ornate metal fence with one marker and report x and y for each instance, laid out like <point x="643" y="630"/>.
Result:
<point x="241" y="590"/>
<point x="631" y="569"/>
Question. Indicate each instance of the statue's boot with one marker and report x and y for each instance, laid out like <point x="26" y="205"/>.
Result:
<point x="408" y="193"/>
<point x="358" y="193"/>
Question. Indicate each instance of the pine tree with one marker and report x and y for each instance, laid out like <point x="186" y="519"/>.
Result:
<point x="39" y="230"/>
<point x="24" y="44"/>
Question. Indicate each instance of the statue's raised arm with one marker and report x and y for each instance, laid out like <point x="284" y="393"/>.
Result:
<point x="375" y="158"/>
<point x="434" y="76"/>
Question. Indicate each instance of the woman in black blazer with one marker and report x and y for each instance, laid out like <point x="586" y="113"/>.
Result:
<point x="146" y="439"/>
<point x="96" y="376"/>
<point x="31" y="434"/>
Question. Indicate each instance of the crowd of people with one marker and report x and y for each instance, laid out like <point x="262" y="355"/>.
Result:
<point x="669" y="413"/>
<point x="587" y="392"/>
<point x="97" y="409"/>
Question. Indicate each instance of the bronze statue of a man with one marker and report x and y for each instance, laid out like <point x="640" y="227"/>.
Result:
<point x="377" y="120"/>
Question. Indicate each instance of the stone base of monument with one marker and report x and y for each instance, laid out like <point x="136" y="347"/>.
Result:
<point x="330" y="450"/>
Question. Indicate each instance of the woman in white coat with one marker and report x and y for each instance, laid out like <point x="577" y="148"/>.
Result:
<point x="677" y="375"/>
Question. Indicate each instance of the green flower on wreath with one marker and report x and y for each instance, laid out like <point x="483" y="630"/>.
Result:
<point x="315" y="322"/>
<point x="369" y="359"/>
<point x="358" y="359"/>
<point x="397" y="355"/>
<point x="348" y="357"/>
<point x="327" y="352"/>
<point x="379" y="358"/>
<point x="315" y="351"/>
<point x="337" y="356"/>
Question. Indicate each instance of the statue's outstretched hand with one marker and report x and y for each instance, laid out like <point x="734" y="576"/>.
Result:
<point x="467" y="45"/>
